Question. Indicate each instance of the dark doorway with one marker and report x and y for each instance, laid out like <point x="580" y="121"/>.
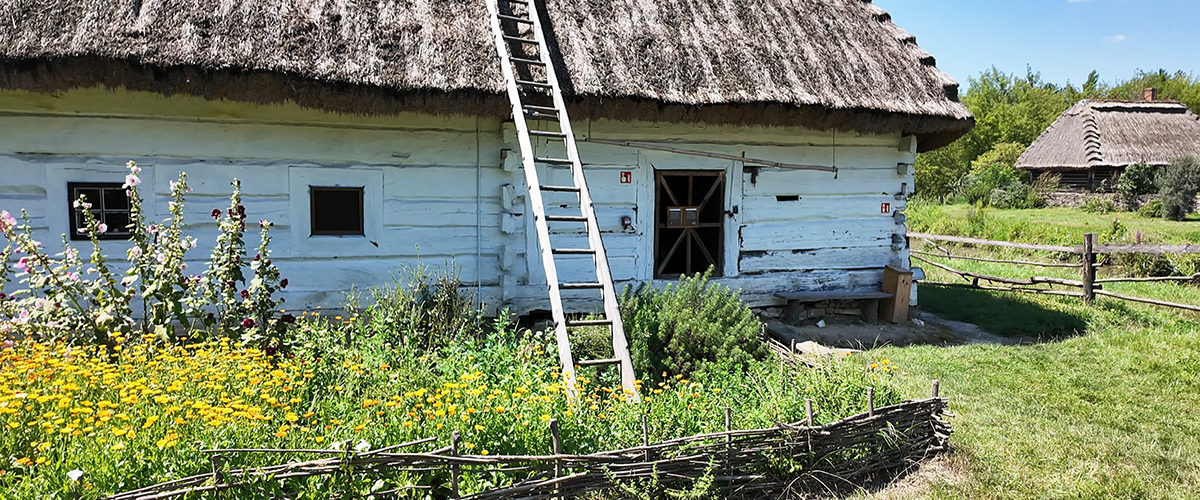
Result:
<point x="689" y="222"/>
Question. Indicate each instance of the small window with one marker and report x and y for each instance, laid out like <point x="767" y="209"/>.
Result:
<point x="110" y="206"/>
<point x="336" y="210"/>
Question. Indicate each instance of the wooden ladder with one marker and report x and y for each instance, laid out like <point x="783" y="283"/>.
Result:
<point x="535" y="95"/>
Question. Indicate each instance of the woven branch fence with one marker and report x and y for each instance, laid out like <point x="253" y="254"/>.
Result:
<point x="788" y="460"/>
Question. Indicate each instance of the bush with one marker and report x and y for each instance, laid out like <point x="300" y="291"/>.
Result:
<point x="690" y="326"/>
<point x="1098" y="205"/>
<point x="994" y="171"/>
<point x="1137" y="180"/>
<point x="66" y="297"/>
<point x="1177" y="187"/>
<point x="1016" y="195"/>
<point x="422" y="307"/>
<point x="1153" y="209"/>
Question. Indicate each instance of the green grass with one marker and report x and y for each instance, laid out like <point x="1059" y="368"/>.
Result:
<point x="1051" y="226"/>
<point x="1101" y="403"/>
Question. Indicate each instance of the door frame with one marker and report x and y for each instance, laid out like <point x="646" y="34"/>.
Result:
<point x="649" y="163"/>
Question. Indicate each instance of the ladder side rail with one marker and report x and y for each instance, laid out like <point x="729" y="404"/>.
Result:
<point x="603" y="275"/>
<point x="535" y="201"/>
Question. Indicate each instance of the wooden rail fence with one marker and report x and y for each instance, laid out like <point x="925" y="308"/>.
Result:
<point x="782" y="461"/>
<point x="1087" y="253"/>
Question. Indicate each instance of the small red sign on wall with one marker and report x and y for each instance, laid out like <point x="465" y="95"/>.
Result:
<point x="885" y="208"/>
<point x="626" y="177"/>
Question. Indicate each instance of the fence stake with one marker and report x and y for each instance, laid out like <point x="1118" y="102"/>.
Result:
<point x="728" y="440"/>
<point x="454" y="466"/>
<point x="808" y="413"/>
<point x="935" y="387"/>
<point x="870" y="402"/>
<point x="1089" y="268"/>
<point x="215" y="461"/>
<point x="645" y="438"/>
<point x="556" y="448"/>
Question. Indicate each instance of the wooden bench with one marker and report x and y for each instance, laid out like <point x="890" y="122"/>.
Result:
<point x="868" y="302"/>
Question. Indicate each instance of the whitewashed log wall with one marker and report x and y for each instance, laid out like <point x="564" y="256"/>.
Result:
<point x="441" y="190"/>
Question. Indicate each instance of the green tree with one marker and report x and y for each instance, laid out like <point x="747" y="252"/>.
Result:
<point x="1178" y="184"/>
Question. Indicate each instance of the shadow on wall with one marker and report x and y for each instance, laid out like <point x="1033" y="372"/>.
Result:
<point x="1002" y="314"/>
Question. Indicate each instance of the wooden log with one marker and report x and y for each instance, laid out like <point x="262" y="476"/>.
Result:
<point x="1148" y="301"/>
<point x="1040" y="291"/>
<point x="1146" y="248"/>
<point x="454" y="467"/>
<point x="997" y="261"/>
<point x="1006" y="244"/>
<point x="1089" y="271"/>
<point x="871" y="402"/>
<point x="744" y="160"/>
<point x="1193" y="277"/>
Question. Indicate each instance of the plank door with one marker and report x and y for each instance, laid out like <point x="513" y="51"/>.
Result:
<point x="689" y="222"/>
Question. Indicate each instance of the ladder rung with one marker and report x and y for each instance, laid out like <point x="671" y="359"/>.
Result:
<point x="560" y="189"/>
<point x="526" y="61"/>
<point x="553" y="161"/>
<point x="514" y="18"/>
<point x="539" y="109"/>
<point x="573" y="251"/>
<point x="566" y="218"/>
<point x="597" y="362"/>
<point x="547" y="133"/>
<point x="580" y="286"/>
<point x="519" y="39"/>
<point x="589" y="322"/>
<point x="522" y="2"/>
<point x="539" y="85"/>
<point x="540" y="116"/>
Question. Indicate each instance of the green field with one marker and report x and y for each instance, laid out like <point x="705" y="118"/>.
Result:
<point x="1097" y="402"/>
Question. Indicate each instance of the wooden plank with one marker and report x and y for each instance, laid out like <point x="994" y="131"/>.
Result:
<point x="720" y="156"/>
<point x="898" y="283"/>
<point x="1147" y="301"/>
<point x="1152" y="249"/>
<point x="831" y="233"/>
<point x="821" y="258"/>
<point x="821" y="296"/>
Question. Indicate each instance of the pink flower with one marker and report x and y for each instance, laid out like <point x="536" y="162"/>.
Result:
<point x="91" y="270"/>
<point x="131" y="180"/>
<point x="23" y="263"/>
<point x="248" y="323"/>
<point x="73" y="276"/>
<point x="102" y="228"/>
<point x="132" y="166"/>
<point x="6" y="220"/>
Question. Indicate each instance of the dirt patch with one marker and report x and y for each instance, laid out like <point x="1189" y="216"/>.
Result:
<point x="944" y="469"/>
<point x="925" y="329"/>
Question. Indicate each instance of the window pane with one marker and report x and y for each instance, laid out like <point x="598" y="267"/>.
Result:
<point x="336" y="210"/>
<point x="118" y="222"/>
<point x="115" y="199"/>
<point x="92" y="195"/>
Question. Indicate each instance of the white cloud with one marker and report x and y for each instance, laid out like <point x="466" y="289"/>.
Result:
<point x="1118" y="38"/>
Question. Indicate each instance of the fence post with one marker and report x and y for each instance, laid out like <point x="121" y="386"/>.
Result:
<point x="645" y="438"/>
<point x="936" y="384"/>
<point x="556" y="449"/>
<point x="728" y="441"/>
<point x="1089" y="268"/>
<point x="454" y="465"/>
<point x="870" y="402"/>
<point x="214" y="460"/>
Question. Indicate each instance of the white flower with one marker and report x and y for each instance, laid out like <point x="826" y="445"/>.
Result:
<point x="75" y="474"/>
<point x="362" y="446"/>
<point x="131" y="180"/>
<point x="102" y="228"/>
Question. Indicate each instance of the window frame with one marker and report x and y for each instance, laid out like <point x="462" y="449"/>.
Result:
<point x="312" y="210"/>
<point x="72" y="221"/>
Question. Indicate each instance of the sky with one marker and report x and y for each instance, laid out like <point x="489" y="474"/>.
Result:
<point x="1063" y="40"/>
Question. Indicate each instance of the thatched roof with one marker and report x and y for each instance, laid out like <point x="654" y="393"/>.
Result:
<point x="1115" y="134"/>
<point x="820" y="63"/>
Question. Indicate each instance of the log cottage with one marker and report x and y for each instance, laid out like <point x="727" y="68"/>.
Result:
<point x="772" y="140"/>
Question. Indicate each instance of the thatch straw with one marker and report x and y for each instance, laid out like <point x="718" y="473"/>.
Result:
<point x="825" y="64"/>
<point x="1115" y="134"/>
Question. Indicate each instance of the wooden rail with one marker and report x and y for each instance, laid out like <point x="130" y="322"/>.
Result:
<point x="1088" y="252"/>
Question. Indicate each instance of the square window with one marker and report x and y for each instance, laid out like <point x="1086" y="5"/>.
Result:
<point x="110" y="205"/>
<point x="336" y="211"/>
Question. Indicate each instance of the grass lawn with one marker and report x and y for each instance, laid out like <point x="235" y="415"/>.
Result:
<point x="1101" y="402"/>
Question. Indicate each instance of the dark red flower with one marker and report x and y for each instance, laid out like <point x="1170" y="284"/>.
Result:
<point x="287" y="319"/>
<point x="270" y="350"/>
<point x="245" y="294"/>
<point x="248" y="323"/>
<point x="241" y="210"/>
<point x="210" y="317"/>
<point x="216" y="213"/>
<point x="2" y="296"/>
<point x="283" y="283"/>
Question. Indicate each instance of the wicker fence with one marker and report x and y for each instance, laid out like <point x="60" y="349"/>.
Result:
<point x="787" y="460"/>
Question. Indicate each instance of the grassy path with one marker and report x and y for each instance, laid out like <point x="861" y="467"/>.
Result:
<point x="1102" y="402"/>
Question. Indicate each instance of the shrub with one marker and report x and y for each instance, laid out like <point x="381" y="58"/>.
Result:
<point x="1016" y="195"/>
<point x="1153" y="208"/>
<point x="991" y="171"/>
<point x="1098" y="205"/>
<point x="67" y="298"/>
<point x="1137" y="180"/>
<point x="689" y="326"/>
<point x="422" y="307"/>
<point x="1177" y="187"/>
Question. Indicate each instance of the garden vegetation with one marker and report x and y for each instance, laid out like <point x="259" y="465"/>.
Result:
<point x="114" y="377"/>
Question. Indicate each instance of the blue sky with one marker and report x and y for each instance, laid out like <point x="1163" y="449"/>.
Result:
<point x="1061" y="39"/>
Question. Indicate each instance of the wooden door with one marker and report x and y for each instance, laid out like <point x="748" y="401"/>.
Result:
<point x="689" y="222"/>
